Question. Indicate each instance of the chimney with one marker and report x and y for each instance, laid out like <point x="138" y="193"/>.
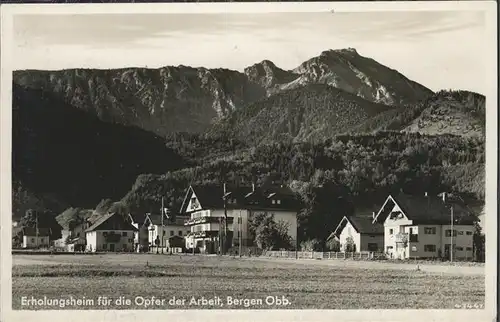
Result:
<point x="253" y="187"/>
<point x="426" y="194"/>
<point x="373" y="215"/>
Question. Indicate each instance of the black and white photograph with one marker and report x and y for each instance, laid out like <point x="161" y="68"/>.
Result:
<point x="249" y="158"/>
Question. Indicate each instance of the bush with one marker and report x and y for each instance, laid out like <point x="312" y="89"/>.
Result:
<point x="333" y="245"/>
<point x="313" y="245"/>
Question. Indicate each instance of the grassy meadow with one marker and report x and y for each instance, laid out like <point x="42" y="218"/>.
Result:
<point x="307" y="284"/>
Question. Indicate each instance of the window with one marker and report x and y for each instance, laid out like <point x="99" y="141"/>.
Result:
<point x="41" y="240"/>
<point x="130" y="240"/>
<point x="448" y="233"/>
<point x="104" y="246"/>
<point x="348" y="230"/>
<point x="413" y="248"/>
<point x="429" y="248"/>
<point x="391" y="231"/>
<point x="278" y="202"/>
<point x="460" y="232"/>
<point x="105" y="233"/>
<point x="238" y="234"/>
<point x="32" y="240"/>
<point x="180" y="232"/>
<point x="171" y="233"/>
<point x="469" y="249"/>
<point x="430" y="230"/>
<point x="124" y="234"/>
<point x="468" y="233"/>
<point x="372" y="236"/>
<point x="459" y="248"/>
<point x="273" y="202"/>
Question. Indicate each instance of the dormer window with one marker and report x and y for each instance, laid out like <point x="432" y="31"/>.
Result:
<point x="278" y="202"/>
<point x="273" y="201"/>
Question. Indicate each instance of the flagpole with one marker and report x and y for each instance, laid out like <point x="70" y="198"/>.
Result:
<point x="240" y="232"/>
<point x="451" y="246"/>
<point x="162" y="229"/>
<point x="36" y="228"/>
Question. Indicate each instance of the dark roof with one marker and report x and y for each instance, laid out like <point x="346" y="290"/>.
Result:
<point x="104" y="218"/>
<point x="430" y="210"/>
<point x="100" y="221"/>
<point x="28" y="231"/>
<point x="210" y="197"/>
<point x="362" y="223"/>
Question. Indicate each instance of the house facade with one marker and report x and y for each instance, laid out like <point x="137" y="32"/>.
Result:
<point x="421" y="227"/>
<point x="111" y="232"/>
<point x="161" y="234"/>
<point x="205" y="207"/>
<point x="34" y="239"/>
<point x="359" y="234"/>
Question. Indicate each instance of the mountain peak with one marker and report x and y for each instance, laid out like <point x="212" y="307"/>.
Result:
<point x="267" y="74"/>
<point x="349" y="50"/>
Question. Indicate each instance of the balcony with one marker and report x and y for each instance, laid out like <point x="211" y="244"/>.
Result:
<point x="207" y="220"/>
<point x="405" y="237"/>
<point x="203" y="234"/>
<point x="401" y="238"/>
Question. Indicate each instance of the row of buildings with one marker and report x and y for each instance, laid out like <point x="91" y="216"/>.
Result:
<point x="409" y="226"/>
<point x="198" y="224"/>
<point x="404" y="227"/>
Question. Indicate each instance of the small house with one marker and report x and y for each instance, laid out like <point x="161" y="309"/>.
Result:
<point x="110" y="232"/>
<point x="36" y="238"/>
<point x="359" y="234"/>
<point x="170" y="227"/>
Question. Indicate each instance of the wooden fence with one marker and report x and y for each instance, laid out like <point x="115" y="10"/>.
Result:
<point x="325" y="255"/>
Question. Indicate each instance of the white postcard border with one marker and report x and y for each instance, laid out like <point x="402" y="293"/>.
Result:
<point x="9" y="11"/>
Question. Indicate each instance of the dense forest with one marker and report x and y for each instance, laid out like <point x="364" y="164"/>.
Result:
<point x="329" y="177"/>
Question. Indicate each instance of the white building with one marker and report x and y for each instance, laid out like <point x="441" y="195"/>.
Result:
<point x="359" y="234"/>
<point x="205" y="206"/>
<point x="168" y="229"/>
<point x="420" y="227"/>
<point x="111" y="232"/>
<point x="32" y="239"/>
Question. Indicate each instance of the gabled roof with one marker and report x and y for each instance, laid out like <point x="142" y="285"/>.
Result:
<point x="426" y="210"/>
<point x="28" y="231"/>
<point x="104" y="218"/>
<point x="100" y="221"/>
<point x="210" y="197"/>
<point x="362" y="224"/>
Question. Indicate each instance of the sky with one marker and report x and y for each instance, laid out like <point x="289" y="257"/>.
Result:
<point x="440" y="50"/>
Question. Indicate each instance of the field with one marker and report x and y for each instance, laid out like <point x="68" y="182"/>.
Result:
<point x="130" y="281"/>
